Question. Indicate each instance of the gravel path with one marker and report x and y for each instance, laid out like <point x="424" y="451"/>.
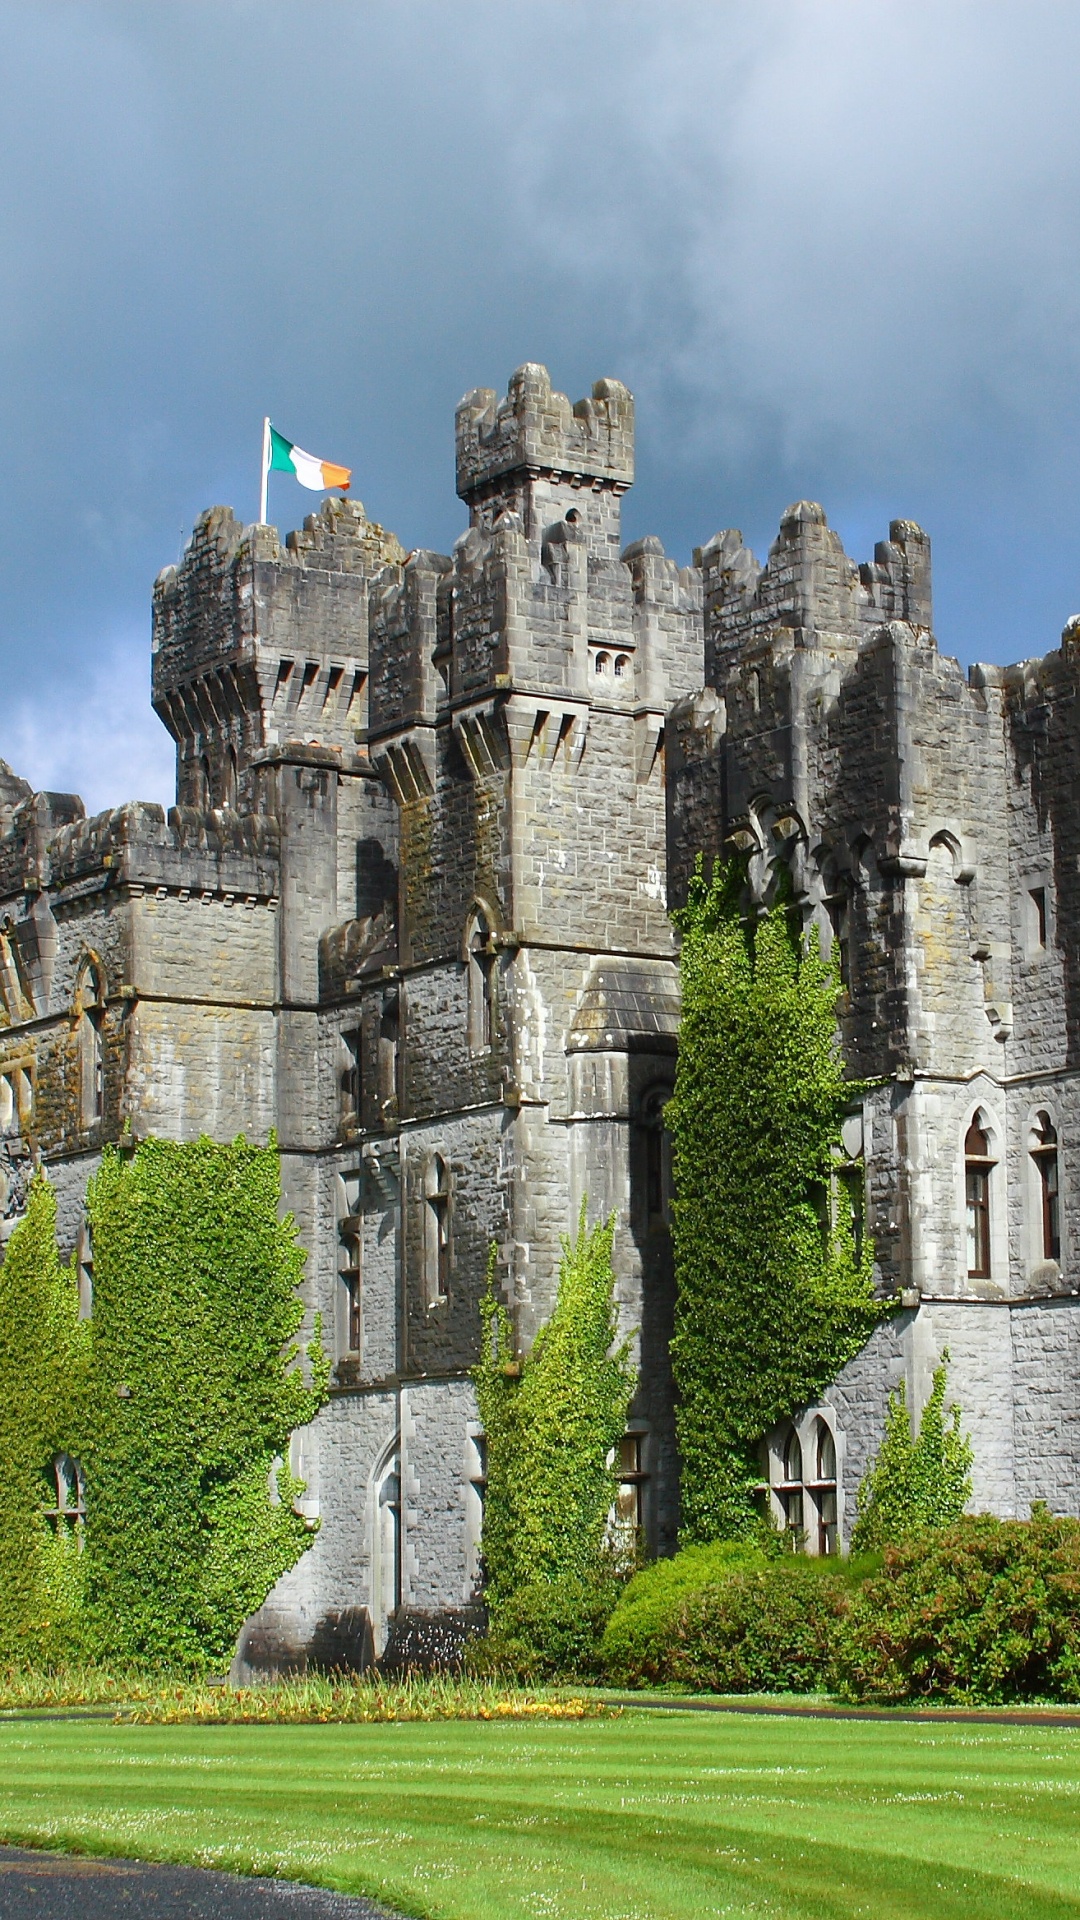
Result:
<point x="57" y="1886"/>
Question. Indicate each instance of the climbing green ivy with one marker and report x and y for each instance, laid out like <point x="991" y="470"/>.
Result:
<point x="772" y="1296"/>
<point x="178" y="1396"/>
<point x="550" y="1423"/>
<point x="42" y="1370"/>
<point x="917" y="1482"/>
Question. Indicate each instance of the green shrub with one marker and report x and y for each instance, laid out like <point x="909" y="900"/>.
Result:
<point x="551" y="1421"/>
<point x="986" y="1610"/>
<point x="548" y="1630"/>
<point x="771" y="1629"/>
<point x="642" y="1629"/>
<point x="917" y="1482"/>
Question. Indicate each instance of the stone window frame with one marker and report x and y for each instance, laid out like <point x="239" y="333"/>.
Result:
<point x="656" y="1151"/>
<point x="67" y="1513"/>
<point x="474" y="1482"/>
<point x="1043" y="1267"/>
<point x="1036" y="923"/>
<point x="786" y="1495"/>
<point x="630" y="1464"/>
<point x="436" y="1229"/>
<point x="479" y="955"/>
<point x="350" y="1077"/>
<point x="386" y="1544"/>
<point x="89" y="1003"/>
<point x="350" y="1263"/>
<point x="995" y="1283"/>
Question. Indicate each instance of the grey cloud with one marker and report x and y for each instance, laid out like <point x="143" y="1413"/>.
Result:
<point x="833" y="247"/>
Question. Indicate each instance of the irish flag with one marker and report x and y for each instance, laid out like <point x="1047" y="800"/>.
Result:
<point x="282" y="456"/>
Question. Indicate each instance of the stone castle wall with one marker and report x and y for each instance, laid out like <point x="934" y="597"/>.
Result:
<point x="411" y="911"/>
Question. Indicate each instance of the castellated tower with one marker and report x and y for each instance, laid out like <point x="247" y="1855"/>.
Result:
<point x="919" y="816"/>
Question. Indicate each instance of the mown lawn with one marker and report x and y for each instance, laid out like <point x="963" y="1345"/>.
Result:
<point x="650" y="1815"/>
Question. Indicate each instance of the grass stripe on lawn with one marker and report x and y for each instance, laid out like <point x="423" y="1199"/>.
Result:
<point x="644" y="1817"/>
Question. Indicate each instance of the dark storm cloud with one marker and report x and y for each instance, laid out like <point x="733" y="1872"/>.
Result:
<point x="832" y="246"/>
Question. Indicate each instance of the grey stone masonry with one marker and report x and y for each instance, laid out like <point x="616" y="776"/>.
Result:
<point x="411" y="913"/>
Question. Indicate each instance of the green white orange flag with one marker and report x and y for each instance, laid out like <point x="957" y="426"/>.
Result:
<point x="282" y="456"/>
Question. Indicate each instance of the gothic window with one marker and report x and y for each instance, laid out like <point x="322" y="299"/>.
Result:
<point x="206" y="796"/>
<point x="622" y="661"/>
<point x="823" y="1489"/>
<point x="789" y="1489"/>
<point x="481" y="965"/>
<point x="65" y="1497"/>
<point x="232" y="781"/>
<point x="979" y="1165"/>
<point x="350" y="1083"/>
<point x="804" y="1486"/>
<point x="90" y="1011"/>
<point x="436" y="1247"/>
<point x="658" y="1181"/>
<point x="601" y="662"/>
<point x="350" y="1258"/>
<point x="1044" y="1153"/>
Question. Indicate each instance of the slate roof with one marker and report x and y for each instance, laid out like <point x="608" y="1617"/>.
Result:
<point x="627" y="1006"/>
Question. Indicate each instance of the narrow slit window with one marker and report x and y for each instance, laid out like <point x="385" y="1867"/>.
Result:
<point x="1037" y="896"/>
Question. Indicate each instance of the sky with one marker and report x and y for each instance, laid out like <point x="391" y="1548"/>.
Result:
<point x="833" y="246"/>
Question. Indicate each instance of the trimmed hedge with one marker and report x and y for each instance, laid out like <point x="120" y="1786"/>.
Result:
<point x="645" y="1625"/>
<point x="548" y="1630"/>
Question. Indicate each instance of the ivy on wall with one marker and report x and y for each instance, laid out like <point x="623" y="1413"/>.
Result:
<point x="42" y="1372"/>
<point x="915" y="1482"/>
<point x="183" y="1401"/>
<point x="551" y="1422"/>
<point x="772" y="1296"/>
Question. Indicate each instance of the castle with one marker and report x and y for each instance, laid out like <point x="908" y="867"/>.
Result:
<point x="411" y="911"/>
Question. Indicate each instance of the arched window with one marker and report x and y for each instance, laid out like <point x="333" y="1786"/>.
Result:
<point x="1044" y="1152"/>
<point x="65" y="1497"/>
<point x="658" y="1183"/>
<point x="481" y="965"/>
<point x="232" y="783"/>
<point x="823" y="1491"/>
<point x="207" y="795"/>
<point x="436" y="1231"/>
<point x="622" y="661"/>
<point x="802" y="1471"/>
<point x="979" y="1165"/>
<point x="601" y="663"/>
<point x="90" y="1012"/>
<point x="790" y="1488"/>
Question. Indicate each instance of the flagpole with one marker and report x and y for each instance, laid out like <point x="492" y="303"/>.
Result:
<point x="265" y="470"/>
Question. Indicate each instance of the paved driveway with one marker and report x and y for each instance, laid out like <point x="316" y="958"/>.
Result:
<point x="56" y="1886"/>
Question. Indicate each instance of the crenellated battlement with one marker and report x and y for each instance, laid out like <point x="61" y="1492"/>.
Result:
<point x="256" y="643"/>
<point x="536" y="430"/>
<point x="809" y="587"/>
